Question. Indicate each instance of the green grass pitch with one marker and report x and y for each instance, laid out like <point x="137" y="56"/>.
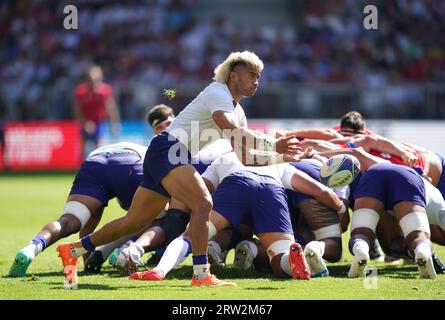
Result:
<point x="27" y="202"/>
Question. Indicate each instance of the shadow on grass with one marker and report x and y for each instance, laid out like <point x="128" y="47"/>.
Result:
<point x="111" y="273"/>
<point x="338" y="271"/>
<point x="389" y="271"/>
<point x="335" y="271"/>
<point x="36" y="275"/>
<point x="398" y="272"/>
<point x="185" y="272"/>
<point x="230" y="272"/>
<point x="83" y="286"/>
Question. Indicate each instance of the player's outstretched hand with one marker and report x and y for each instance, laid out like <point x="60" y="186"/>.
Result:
<point x="296" y="157"/>
<point x="410" y="159"/>
<point x="288" y="144"/>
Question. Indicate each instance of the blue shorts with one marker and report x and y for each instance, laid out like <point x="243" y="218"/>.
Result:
<point x="441" y="184"/>
<point x="164" y="154"/>
<point x="245" y="193"/>
<point x="104" y="177"/>
<point x="312" y="169"/>
<point x="200" y="167"/>
<point x="352" y="188"/>
<point x="390" y="184"/>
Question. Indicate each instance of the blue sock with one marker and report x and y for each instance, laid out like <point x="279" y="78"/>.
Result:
<point x="87" y="244"/>
<point x="203" y="259"/>
<point x="189" y="249"/>
<point x="40" y="240"/>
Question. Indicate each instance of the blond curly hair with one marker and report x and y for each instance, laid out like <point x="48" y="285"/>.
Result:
<point x="222" y="70"/>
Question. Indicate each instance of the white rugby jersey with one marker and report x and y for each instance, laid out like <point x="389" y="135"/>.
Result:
<point x="229" y="163"/>
<point x="212" y="151"/>
<point x="194" y="126"/>
<point x="115" y="147"/>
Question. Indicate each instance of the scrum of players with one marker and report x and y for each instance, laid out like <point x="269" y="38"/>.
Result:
<point x="398" y="199"/>
<point x="276" y="214"/>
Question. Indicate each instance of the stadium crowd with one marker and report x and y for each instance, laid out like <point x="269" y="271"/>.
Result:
<point x="138" y="42"/>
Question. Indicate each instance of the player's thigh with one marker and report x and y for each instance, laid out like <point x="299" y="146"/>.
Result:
<point x="219" y="221"/>
<point x="317" y="216"/>
<point x="404" y="208"/>
<point x="186" y="185"/>
<point x="145" y="206"/>
<point x="176" y="204"/>
<point x="369" y="203"/>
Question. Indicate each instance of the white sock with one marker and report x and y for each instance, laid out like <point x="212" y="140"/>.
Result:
<point x="32" y="248"/>
<point x="424" y="248"/>
<point x="284" y="263"/>
<point x="200" y="271"/>
<point x="175" y="253"/>
<point x="108" y="248"/>
<point x="135" y="252"/>
<point x="360" y="247"/>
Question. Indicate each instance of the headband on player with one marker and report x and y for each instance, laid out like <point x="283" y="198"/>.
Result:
<point x="158" y="121"/>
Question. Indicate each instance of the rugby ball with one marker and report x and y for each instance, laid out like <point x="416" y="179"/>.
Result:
<point x="339" y="171"/>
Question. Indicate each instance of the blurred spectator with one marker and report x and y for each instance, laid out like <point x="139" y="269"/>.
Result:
<point x="93" y="106"/>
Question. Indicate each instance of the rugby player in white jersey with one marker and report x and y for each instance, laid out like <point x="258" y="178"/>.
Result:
<point x="168" y="172"/>
<point x="240" y="191"/>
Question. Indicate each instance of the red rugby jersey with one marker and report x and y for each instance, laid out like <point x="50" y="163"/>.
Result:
<point x="93" y="101"/>
<point x="392" y="158"/>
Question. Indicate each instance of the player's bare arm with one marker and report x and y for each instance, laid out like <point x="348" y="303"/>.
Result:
<point x="244" y="140"/>
<point x="313" y="133"/>
<point x="318" y="145"/>
<point x="301" y="182"/>
<point x="382" y="144"/>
